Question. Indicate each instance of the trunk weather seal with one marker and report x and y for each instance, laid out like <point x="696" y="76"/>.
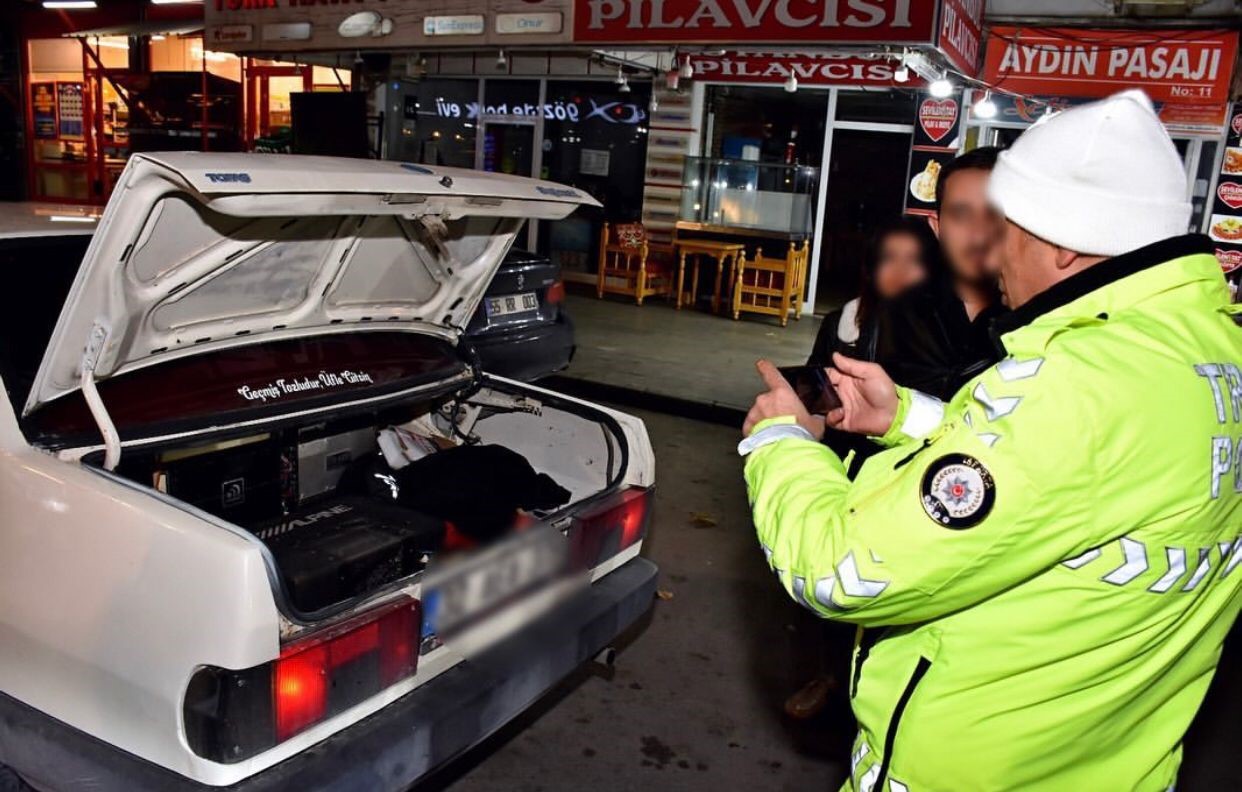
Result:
<point x="894" y="721"/>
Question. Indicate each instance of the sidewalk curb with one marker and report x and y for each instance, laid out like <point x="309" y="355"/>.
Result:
<point x="646" y="400"/>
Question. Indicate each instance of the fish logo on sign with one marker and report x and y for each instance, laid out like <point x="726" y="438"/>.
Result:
<point x="938" y="117"/>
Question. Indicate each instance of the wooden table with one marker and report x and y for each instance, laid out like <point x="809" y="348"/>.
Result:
<point x="720" y="252"/>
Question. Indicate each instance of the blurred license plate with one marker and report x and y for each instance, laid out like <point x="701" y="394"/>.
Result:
<point x="454" y="597"/>
<point x="512" y="303"/>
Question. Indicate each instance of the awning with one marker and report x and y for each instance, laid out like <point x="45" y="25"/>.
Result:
<point x="166" y="28"/>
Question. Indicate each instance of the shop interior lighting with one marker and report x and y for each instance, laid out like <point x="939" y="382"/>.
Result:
<point x="69" y="4"/>
<point x="940" y="87"/>
<point x="985" y="107"/>
<point x="791" y="83"/>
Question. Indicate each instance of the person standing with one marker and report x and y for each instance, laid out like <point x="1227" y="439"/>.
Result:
<point x="936" y="336"/>
<point x="902" y="255"/>
<point x="1046" y="567"/>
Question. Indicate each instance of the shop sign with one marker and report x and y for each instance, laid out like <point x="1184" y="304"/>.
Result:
<point x="937" y="118"/>
<point x="1225" y="222"/>
<point x="936" y="139"/>
<point x="609" y="112"/>
<point x="69" y="109"/>
<point x="755" y="21"/>
<point x="1171" y="66"/>
<point x="809" y="68"/>
<point x="43" y="105"/>
<point x="542" y="22"/>
<point x="961" y="32"/>
<point x="232" y="34"/>
<point x="460" y="25"/>
<point x="287" y="31"/>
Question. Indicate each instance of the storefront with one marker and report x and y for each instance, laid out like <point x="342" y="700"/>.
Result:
<point x="574" y="124"/>
<point x="1187" y="73"/>
<point x="103" y="84"/>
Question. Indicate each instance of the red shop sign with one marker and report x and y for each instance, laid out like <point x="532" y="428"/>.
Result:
<point x="755" y="21"/>
<point x="808" y="68"/>
<point x="961" y="31"/>
<point x="1170" y="65"/>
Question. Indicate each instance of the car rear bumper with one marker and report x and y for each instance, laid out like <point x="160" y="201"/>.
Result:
<point x="389" y="750"/>
<point x="527" y="355"/>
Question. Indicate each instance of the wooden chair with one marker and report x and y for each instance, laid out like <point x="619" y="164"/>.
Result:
<point x="771" y="286"/>
<point x="630" y="264"/>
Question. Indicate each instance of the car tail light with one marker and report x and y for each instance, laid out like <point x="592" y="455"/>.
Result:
<point x="233" y="715"/>
<point x="620" y="521"/>
<point x="555" y="293"/>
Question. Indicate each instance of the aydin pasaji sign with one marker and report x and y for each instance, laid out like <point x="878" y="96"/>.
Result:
<point x="1170" y="65"/>
<point x="755" y="21"/>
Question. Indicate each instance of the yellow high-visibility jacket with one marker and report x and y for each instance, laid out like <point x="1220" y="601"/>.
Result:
<point x="1045" y="571"/>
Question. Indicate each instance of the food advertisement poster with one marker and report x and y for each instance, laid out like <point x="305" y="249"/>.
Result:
<point x="43" y="109"/>
<point x="69" y="108"/>
<point x="937" y="138"/>
<point x="1225" y="223"/>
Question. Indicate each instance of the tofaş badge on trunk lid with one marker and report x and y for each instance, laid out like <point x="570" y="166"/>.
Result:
<point x="209" y="252"/>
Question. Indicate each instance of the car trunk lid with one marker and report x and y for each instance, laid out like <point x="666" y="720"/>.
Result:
<point x="200" y="253"/>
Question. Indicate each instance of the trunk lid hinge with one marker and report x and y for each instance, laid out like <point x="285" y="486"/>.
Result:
<point x="95" y="343"/>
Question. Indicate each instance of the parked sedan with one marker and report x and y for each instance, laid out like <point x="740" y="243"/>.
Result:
<point x="521" y="329"/>
<point x="263" y="526"/>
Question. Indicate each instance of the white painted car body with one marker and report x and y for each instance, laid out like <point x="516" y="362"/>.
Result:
<point x="112" y="595"/>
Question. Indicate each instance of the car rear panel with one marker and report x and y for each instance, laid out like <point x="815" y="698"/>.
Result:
<point x="521" y="274"/>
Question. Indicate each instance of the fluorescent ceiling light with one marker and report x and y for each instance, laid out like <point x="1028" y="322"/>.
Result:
<point x="69" y="4"/>
<point x="176" y="2"/>
<point x="71" y="219"/>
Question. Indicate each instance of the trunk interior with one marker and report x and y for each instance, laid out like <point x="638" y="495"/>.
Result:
<point x="350" y="503"/>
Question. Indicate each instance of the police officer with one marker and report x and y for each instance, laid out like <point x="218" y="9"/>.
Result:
<point x="1043" y="569"/>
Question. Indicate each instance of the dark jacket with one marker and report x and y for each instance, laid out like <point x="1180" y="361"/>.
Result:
<point x="828" y="340"/>
<point x="927" y="342"/>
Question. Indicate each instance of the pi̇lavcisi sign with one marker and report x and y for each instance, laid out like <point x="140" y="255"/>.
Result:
<point x="754" y="21"/>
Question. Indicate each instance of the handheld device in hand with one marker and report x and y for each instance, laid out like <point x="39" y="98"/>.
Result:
<point x="813" y="388"/>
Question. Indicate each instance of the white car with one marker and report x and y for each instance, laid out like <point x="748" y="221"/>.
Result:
<point x="263" y="523"/>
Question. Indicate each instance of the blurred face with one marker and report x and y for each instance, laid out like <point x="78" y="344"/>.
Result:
<point x="1025" y="265"/>
<point x="900" y="265"/>
<point x="967" y="225"/>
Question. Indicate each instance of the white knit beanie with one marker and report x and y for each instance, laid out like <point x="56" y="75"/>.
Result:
<point x="1100" y="179"/>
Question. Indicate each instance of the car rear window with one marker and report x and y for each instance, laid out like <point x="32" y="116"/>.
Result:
<point x="40" y="271"/>
<point x="253" y="381"/>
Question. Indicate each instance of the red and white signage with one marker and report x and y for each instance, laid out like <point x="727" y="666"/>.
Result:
<point x="1230" y="194"/>
<point x="755" y="21"/>
<point x="961" y="32"/>
<point x="1170" y="65"/>
<point x="1230" y="260"/>
<point x="808" y="68"/>
<point x="938" y="117"/>
<point x="1236" y="124"/>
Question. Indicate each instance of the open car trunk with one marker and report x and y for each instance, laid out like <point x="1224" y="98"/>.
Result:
<point x="274" y="341"/>
<point x="355" y="501"/>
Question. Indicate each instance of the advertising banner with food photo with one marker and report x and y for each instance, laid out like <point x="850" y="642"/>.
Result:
<point x="1170" y="65"/>
<point x="1225" y="224"/>
<point x="937" y="138"/>
<point x="43" y="109"/>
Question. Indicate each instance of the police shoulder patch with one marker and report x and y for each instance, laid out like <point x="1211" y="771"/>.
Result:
<point x="957" y="491"/>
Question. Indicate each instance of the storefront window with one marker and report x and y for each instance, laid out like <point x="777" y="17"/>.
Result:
<point x="507" y="120"/>
<point x="594" y="139"/>
<point x="446" y="116"/>
<point x="767" y="124"/>
<point x="877" y="106"/>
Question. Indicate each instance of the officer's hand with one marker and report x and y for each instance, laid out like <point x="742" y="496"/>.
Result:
<point x="868" y="396"/>
<point x="777" y="401"/>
